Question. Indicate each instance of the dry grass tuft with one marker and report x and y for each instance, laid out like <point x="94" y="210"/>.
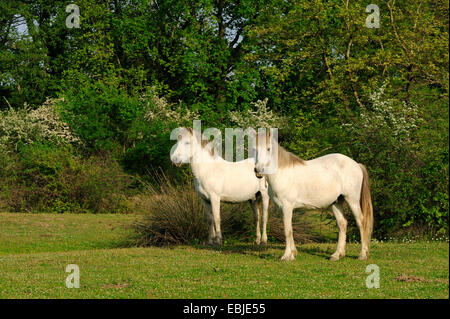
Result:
<point x="303" y="231"/>
<point x="173" y="215"/>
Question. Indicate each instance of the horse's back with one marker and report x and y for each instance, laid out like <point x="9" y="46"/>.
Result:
<point x="231" y="181"/>
<point x="320" y="181"/>
<point x="334" y="160"/>
<point x="348" y="170"/>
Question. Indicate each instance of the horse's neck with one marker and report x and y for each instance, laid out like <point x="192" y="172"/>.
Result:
<point x="276" y="177"/>
<point x="199" y="169"/>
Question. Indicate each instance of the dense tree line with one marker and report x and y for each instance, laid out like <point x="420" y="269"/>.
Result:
<point x="379" y="95"/>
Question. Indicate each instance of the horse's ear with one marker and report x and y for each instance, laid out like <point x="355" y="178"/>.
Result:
<point x="267" y="135"/>
<point x="190" y="130"/>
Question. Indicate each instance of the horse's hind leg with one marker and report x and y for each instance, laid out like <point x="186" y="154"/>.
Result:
<point x="257" y="217"/>
<point x="342" y="224"/>
<point x="355" y="206"/>
<point x="210" y="218"/>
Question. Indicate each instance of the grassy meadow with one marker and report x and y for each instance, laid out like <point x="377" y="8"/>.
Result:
<point x="36" y="248"/>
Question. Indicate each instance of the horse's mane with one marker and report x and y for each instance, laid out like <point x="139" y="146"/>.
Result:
<point x="286" y="158"/>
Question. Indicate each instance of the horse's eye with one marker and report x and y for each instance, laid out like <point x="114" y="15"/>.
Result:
<point x="268" y="149"/>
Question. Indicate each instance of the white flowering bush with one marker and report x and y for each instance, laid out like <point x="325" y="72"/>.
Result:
<point x="157" y="108"/>
<point x="398" y="119"/>
<point x="27" y="126"/>
<point x="15" y="126"/>
<point x="259" y="116"/>
<point x="50" y="123"/>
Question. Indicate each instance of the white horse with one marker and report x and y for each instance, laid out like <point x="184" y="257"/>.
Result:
<point x="216" y="180"/>
<point x="319" y="183"/>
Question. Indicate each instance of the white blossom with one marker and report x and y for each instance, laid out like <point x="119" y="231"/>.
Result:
<point x="27" y="126"/>
<point x="258" y="117"/>
<point x="158" y="108"/>
<point x="399" y="119"/>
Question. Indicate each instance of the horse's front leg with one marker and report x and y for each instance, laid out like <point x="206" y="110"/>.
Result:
<point x="265" y="214"/>
<point x="290" y="251"/>
<point x="210" y="218"/>
<point x="215" y="206"/>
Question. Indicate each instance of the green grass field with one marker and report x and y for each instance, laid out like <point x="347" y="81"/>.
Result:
<point x="36" y="248"/>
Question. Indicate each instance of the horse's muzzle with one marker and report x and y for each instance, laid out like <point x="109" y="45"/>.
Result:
<point x="259" y="175"/>
<point x="177" y="164"/>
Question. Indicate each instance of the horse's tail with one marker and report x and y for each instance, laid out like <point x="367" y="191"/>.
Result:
<point x="366" y="205"/>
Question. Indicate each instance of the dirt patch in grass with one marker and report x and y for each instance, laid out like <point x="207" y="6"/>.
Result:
<point x="411" y="278"/>
<point x="116" y="286"/>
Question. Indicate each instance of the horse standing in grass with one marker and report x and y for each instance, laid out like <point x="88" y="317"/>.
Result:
<point x="323" y="182"/>
<point x="217" y="180"/>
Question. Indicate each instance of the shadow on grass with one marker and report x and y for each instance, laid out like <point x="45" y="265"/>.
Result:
<point x="272" y="250"/>
<point x="322" y="252"/>
<point x="269" y="251"/>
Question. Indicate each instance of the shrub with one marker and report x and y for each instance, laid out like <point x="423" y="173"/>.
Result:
<point x="172" y="215"/>
<point x="15" y="127"/>
<point x="101" y="115"/>
<point x="49" y="178"/>
<point x="407" y="163"/>
<point x="150" y="133"/>
<point x="27" y="126"/>
<point x="261" y="116"/>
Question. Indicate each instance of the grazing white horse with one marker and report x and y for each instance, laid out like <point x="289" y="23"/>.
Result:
<point x="219" y="180"/>
<point x="319" y="183"/>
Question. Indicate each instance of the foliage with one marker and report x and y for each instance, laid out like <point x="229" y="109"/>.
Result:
<point x="43" y="177"/>
<point x="25" y="126"/>
<point x="403" y="193"/>
<point x="100" y="115"/>
<point x="400" y="121"/>
<point x="157" y="108"/>
<point x="15" y="127"/>
<point x="260" y="117"/>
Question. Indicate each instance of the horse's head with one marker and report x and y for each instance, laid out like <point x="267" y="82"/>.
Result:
<point x="266" y="147"/>
<point x="181" y="153"/>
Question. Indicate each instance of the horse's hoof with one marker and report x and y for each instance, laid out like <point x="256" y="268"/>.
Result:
<point x="289" y="257"/>
<point x="294" y="253"/>
<point x="337" y="256"/>
<point x="257" y="242"/>
<point x="264" y="240"/>
<point x="334" y="257"/>
<point x="362" y="257"/>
